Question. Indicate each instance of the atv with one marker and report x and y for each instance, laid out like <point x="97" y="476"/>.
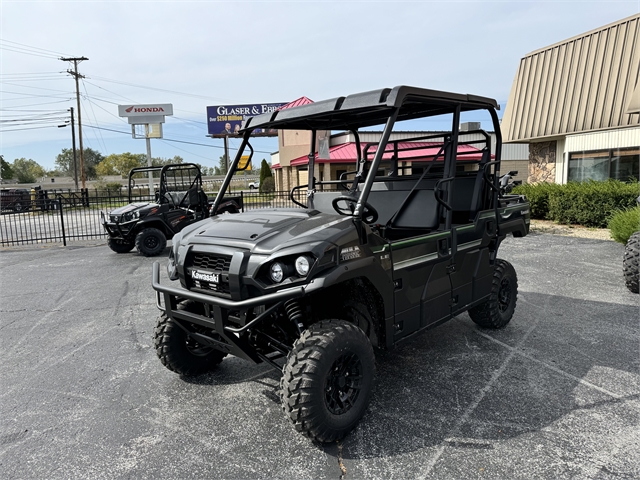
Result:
<point x="179" y="202"/>
<point x="371" y="259"/>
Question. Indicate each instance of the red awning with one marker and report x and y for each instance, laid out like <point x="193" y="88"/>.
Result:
<point x="296" y="103"/>
<point x="421" y="152"/>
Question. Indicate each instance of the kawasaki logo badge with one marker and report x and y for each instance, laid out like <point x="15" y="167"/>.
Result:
<point x="207" y="277"/>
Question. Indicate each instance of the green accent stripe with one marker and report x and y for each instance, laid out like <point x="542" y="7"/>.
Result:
<point x="415" y="261"/>
<point x="419" y="240"/>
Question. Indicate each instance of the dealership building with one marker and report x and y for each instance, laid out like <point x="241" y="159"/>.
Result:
<point x="577" y="105"/>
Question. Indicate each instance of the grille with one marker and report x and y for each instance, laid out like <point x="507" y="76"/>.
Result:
<point x="214" y="263"/>
<point x="208" y="261"/>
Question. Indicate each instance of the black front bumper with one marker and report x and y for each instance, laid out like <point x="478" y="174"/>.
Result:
<point x="217" y="311"/>
<point x="118" y="230"/>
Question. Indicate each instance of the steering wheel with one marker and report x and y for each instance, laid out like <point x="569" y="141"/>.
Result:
<point x="370" y="214"/>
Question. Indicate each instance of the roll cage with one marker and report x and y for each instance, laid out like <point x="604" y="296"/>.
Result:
<point x="183" y="177"/>
<point x="389" y="106"/>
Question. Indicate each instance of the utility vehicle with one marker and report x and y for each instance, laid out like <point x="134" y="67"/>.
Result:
<point x="179" y="202"/>
<point x="367" y="260"/>
<point x="15" y="199"/>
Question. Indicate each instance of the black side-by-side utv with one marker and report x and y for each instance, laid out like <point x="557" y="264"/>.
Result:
<point x="391" y="249"/>
<point x="179" y="201"/>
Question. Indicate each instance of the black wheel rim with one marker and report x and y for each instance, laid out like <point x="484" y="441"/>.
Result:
<point x="196" y="348"/>
<point x="504" y="295"/>
<point x="343" y="384"/>
<point x="151" y="242"/>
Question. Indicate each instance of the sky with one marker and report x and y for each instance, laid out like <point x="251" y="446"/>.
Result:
<point x="204" y="53"/>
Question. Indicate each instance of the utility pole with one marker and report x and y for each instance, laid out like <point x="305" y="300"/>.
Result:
<point x="73" y="141"/>
<point x="76" y="75"/>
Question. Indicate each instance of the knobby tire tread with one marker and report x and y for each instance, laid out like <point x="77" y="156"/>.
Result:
<point x="631" y="263"/>
<point x="302" y="370"/>
<point x="169" y="342"/>
<point x="487" y="314"/>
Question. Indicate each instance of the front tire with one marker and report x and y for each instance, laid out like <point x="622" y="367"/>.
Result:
<point x="120" y="246"/>
<point x="327" y="380"/>
<point x="631" y="263"/>
<point x="151" y="242"/>
<point x="496" y="312"/>
<point x="178" y="351"/>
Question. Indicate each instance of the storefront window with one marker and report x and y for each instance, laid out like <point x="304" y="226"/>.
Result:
<point x="621" y="164"/>
<point x="625" y="164"/>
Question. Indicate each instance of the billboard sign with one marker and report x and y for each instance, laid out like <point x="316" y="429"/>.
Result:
<point x="145" y="110"/>
<point x="227" y="120"/>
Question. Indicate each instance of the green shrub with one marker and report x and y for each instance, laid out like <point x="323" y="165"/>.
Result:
<point x="591" y="203"/>
<point x="538" y="196"/>
<point x="624" y="223"/>
<point x="268" y="185"/>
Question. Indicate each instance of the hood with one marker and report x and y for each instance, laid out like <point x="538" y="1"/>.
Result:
<point x="131" y="207"/>
<point x="264" y="230"/>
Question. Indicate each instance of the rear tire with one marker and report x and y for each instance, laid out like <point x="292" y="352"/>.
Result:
<point x="496" y="312"/>
<point x="120" y="246"/>
<point x="631" y="263"/>
<point x="181" y="353"/>
<point x="327" y="380"/>
<point x="151" y="242"/>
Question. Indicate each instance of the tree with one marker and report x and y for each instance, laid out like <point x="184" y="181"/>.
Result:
<point x="265" y="172"/>
<point x="120" y="163"/>
<point x="222" y="169"/>
<point x="206" y="171"/>
<point x="64" y="162"/>
<point x="6" y="171"/>
<point x="27" y="171"/>
<point x="160" y="161"/>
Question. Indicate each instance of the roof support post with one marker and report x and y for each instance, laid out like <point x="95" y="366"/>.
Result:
<point x="231" y="171"/>
<point x="311" y="186"/>
<point x="377" y="159"/>
<point x="450" y="159"/>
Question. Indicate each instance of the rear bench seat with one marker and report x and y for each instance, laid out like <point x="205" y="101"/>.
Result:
<point x="422" y="213"/>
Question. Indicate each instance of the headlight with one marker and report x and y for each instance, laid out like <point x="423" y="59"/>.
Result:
<point x="302" y="266"/>
<point x="277" y="272"/>
<point x="131" y="215"/>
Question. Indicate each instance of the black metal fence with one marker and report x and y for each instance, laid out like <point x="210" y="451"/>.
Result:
<point x="62" y="216"/>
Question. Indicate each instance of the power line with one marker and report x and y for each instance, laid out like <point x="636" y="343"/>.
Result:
<point x="152" y="88"/>
<point x="30" y="128"/>
<point x="38" y="104"/>
<point x="95" y="118"/>
<point x="173" y="140"/>
<point x="2" y="47"/>
<point x="36" y="88"/>
<point x="27" y="73"/>
<point x="116" y="94"/>
<point x="19" y="45"/>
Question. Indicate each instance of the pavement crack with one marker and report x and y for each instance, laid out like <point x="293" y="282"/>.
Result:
<point x="343" y="469"/>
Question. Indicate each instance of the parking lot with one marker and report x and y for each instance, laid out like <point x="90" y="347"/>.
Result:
<point x="556" y="394"/>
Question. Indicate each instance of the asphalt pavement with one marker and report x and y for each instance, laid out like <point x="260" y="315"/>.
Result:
<point x="556" y="394"/>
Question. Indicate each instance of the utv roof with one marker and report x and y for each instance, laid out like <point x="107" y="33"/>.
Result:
<point x="368" y="109"/>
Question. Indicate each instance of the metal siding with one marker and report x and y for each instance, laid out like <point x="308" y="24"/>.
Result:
<point x="581" y="84"/>
<point x="634" y="74"/>
<point x="558" y="90"/>
<point x="621" y="138"/>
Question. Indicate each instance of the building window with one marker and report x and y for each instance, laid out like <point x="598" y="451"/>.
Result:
<point x="620" y="164"/>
